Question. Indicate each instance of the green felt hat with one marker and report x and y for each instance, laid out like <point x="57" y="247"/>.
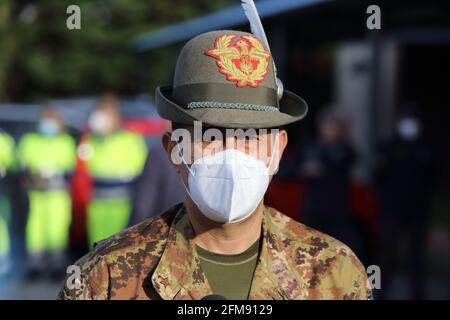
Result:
<point x="227" y="79"/>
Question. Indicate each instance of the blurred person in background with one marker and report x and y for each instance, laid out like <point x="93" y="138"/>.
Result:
<point x="46" y="158"/>
<point x="158" y="188"/>
<point x="404" y="178"/>
<point x="115" y="157"/>
<point x="325" y="167"/>
<point x="6" y="162"/>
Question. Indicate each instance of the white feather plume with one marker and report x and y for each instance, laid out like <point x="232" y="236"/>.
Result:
<point x="256" y="26"/>
<point x="257" y="29"/>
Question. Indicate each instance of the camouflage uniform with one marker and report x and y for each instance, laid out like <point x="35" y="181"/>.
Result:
<point x="156" y="259"/>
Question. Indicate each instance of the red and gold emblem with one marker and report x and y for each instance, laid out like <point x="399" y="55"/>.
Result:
<point x="246" y="61"/>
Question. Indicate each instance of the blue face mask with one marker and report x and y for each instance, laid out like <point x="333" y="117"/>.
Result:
<point x="48" y="127"/>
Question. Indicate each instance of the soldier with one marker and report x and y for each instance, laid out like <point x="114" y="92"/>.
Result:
<point x="222" y="239"/>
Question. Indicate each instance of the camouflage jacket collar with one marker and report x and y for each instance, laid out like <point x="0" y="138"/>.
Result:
<point x="178" y="274"/>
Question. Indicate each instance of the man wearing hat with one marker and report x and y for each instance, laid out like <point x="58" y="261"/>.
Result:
<point x="222" y="240"/>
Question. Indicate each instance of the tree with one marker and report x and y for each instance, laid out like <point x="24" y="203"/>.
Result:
<point x="40" y="57"/>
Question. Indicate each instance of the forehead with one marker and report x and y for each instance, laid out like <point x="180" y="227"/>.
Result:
<point x="50" y="115"/>
<point x="227" y="131"/>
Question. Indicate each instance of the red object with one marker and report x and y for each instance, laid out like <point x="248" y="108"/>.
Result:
<point x="247" y="51"/>
<point x="364" y="204"/>
<point x="286" y="197"/>
<point x="81" y="188"/>
<point x="146" y="127"/>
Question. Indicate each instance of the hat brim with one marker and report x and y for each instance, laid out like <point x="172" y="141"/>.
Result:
<point x="292" y="108"/>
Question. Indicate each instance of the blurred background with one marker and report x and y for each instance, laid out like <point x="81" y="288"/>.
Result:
<point x="79" y="134"/>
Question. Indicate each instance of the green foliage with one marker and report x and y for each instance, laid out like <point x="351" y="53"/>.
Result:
<point x="41" y="58"/>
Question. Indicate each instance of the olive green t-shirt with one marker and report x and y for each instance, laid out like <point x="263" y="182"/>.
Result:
<point x="230" y="275"/>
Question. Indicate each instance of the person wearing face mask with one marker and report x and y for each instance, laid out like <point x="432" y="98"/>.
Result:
<point x="325" y="166"/>
<point x="404" y="179"/>
<point x="114" y="157"/>
<point x="222" y="241"/>
<point x="46" y="158"/>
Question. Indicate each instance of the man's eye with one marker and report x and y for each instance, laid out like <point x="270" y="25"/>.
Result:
<point x="210" y="139"/>
<point x="251" y="138"/>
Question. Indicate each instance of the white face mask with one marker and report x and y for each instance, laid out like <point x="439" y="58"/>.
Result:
<point x="228" y="186"/>
<point x="99" y="123"/>
<point x="48" y="127"/>
<point x="408" y="129"/>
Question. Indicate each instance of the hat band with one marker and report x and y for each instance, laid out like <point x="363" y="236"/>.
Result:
<point x="210" y="95"/>
<point x="231" y="105"/>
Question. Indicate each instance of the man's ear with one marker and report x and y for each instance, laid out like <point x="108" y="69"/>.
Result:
<point x="282" y="142"/>
<point x="168" y="145"/>
<point x="165" y="140"/>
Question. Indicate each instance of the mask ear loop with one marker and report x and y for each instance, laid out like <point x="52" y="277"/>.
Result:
<point x="184" y="161"/>
<point x="266" y="172"/>
<point x="191" y="172"/>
